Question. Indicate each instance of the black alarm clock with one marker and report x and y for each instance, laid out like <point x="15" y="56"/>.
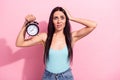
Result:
<point x="32" y="28"/>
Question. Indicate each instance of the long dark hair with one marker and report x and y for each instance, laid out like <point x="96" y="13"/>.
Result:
<point x="51" y="31"/>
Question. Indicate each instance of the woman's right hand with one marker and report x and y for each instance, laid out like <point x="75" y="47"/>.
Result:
<point x="30" y="18"/>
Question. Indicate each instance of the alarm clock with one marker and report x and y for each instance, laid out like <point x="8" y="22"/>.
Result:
<point x="32" y="28"/>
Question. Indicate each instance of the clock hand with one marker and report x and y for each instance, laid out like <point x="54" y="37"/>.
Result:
<point x="31" y="30"/>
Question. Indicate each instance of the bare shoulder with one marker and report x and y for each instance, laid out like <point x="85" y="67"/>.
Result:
<point x="43" y="37"/>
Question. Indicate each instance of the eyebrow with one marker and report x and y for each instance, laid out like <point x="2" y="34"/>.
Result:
<point x="60" y="16"/>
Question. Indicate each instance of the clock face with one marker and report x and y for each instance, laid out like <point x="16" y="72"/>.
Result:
<point x="32" y="29"/>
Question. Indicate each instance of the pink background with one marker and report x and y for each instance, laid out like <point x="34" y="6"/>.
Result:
<point x="96" y="56"/>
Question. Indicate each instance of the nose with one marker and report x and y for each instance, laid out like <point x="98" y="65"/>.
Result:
<point x="58" y="21"/>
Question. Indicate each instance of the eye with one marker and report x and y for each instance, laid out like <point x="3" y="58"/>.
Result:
<point x="62" y="17"/>
<point x="55" y="18"/>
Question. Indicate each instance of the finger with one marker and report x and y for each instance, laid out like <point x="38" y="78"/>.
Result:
<point x="30" y="17"/>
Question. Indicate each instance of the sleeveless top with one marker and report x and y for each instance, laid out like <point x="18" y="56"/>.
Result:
<point x="58" y="60"/>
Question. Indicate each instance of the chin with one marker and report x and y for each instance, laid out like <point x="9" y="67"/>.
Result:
<point x="59" y="29"/>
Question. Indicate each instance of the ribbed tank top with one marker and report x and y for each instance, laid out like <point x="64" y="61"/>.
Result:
<point x="58" y="60"/>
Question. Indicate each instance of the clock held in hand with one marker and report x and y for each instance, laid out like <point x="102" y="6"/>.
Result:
<point x="32" y="28"/>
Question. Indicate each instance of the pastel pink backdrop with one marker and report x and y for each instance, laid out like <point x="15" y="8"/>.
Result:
<point x="96" y="56"/>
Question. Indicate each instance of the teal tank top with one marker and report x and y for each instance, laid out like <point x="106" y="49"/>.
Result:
<point x="58" y="60"/>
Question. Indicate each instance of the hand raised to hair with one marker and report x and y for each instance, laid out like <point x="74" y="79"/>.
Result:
<point x="30" y="17"/>
<point x="68" y="14"/>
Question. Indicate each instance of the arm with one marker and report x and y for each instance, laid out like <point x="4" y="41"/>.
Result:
<point x="22" y="42"/>
<point x="89" y="27"/>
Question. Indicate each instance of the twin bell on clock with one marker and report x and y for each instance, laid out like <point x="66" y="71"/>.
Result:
<point x="32" y="28"/>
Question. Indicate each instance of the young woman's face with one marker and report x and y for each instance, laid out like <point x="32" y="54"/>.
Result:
<point x="59" y="20"/>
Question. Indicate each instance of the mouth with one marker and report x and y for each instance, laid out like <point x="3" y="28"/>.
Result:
<point x="58" y="26"/>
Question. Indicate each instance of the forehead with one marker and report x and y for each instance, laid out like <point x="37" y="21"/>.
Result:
<point x="58" y="13"/>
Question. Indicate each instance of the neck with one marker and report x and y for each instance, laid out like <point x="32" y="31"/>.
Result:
<point x="59" y="33"/>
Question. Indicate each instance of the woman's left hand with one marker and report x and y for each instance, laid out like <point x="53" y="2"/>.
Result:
<point x="68" y="14"/>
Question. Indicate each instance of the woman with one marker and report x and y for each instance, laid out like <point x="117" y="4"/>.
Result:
<point x="58" y="42"/>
